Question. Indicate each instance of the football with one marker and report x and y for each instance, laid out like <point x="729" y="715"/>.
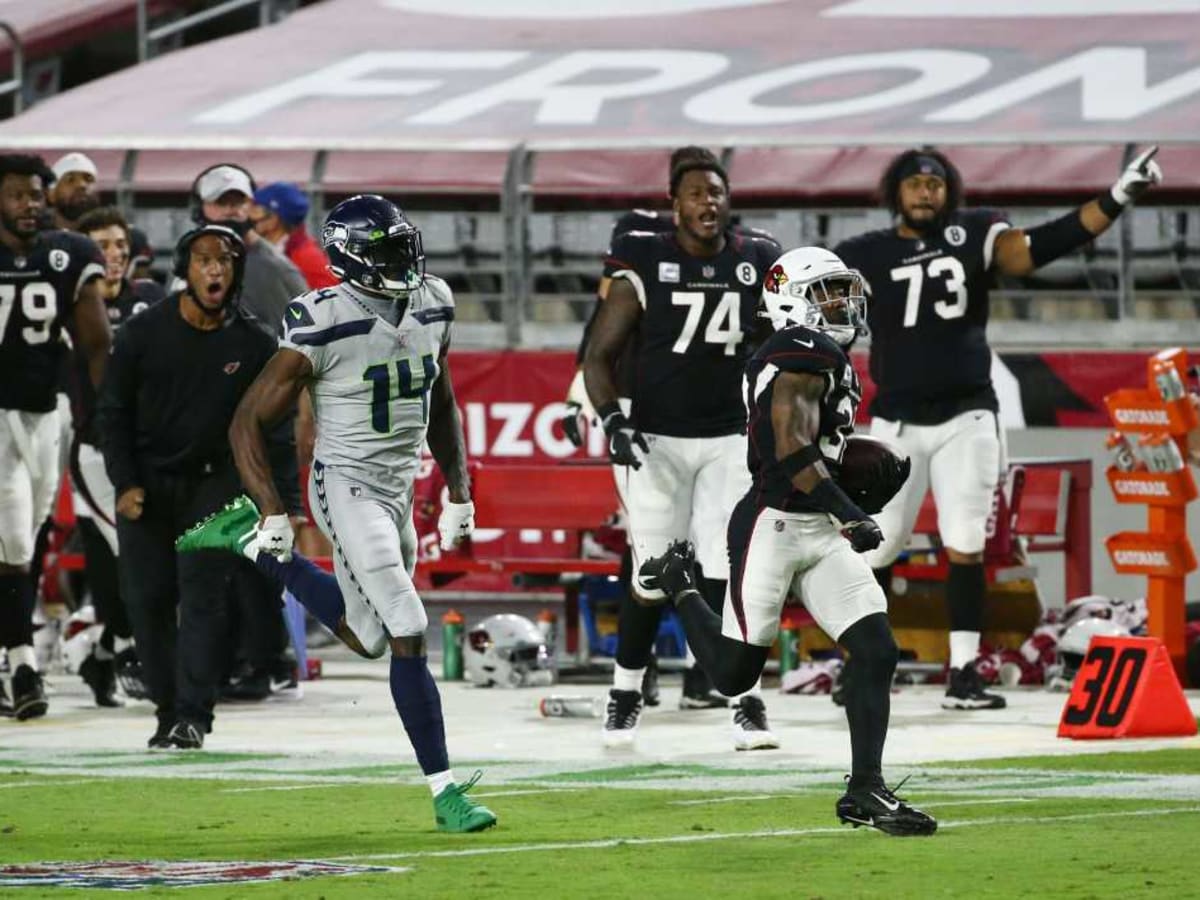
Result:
<point x="864" y="461"/>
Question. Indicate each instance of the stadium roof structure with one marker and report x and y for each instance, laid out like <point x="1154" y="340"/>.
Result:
<point x="809" y="97"/>
<point x="48" y="26"/>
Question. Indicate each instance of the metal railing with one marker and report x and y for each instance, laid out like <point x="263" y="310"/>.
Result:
<point x="16" y="83"/>
<point x="148" y="37"/>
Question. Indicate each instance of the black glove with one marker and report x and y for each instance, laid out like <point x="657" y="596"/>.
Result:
<point x="622" y="438"/>
<point x="863" y="535"/>
<point x="884" y="485"/>
<point x="572" y="423"/>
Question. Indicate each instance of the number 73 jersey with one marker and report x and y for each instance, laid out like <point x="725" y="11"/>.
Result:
<point x="927" y="308"/>
<point x="371" y="380"/>
<point x="694" y="335"/>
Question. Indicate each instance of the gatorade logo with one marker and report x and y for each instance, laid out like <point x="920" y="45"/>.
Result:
<point x="1142" y="417"/>
<point x="1142" y="488"/>
<point x="1142" y="558"/>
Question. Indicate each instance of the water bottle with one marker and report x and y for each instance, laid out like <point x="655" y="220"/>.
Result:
<point x="452" y="649"/>
<point x="571" y="707"/>
<point x="1166" y="378"/>
<point x="789" y="649"/>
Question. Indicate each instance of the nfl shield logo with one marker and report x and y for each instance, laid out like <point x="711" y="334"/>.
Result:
<point x="708" y="271"/>
<point x="232" y="367"/>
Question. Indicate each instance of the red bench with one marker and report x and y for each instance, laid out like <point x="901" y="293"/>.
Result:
<point x="1047" y="505"/>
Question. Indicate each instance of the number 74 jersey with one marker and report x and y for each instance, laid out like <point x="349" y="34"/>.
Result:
<point x="371" y="380"/>
<point x="695" y="333"/>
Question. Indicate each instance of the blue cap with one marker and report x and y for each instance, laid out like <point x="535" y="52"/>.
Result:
<point x="284" y="199"/>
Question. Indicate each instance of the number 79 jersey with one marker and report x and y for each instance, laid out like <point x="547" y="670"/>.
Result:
<point x="927" y="308"/>
<point x="38" y="290"/>
<point x="371" y="380"/>
<point x="695" y="331"/>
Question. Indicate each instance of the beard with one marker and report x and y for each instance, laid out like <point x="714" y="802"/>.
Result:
<point x="25" y="234"/>
<point x="74" y="208"/>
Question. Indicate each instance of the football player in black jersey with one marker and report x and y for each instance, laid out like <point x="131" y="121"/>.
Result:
<point x="95" y="501"/>
<point x="687" y="299"/>
<point x="928" y="279"/>
<point x="796" y="530"/>
<point x="48" y="281"/>
<point x="636" y="624"/>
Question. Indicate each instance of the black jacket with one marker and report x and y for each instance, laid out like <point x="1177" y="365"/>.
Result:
<point x="170" y="390"/>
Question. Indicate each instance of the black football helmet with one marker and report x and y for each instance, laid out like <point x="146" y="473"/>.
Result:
<point x="374" y="247"/>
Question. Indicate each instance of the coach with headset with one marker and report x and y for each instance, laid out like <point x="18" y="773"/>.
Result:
<point x="176" y="375"/>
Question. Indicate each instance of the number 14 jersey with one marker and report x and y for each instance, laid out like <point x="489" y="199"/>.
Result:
<point x="371" y="379"/>
<point x="696" y="330"/>
<point x="927" y="308"/>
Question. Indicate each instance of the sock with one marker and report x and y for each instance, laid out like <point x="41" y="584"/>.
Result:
<point x="420" y="707"/>
<point x="755" y="691"/>
<point x="966" y="587"/>
<point x="16" y="607"/>
<point x="964" y="647"/>
<point x="869" y="695"/>
<point x="316" y="589"/>
<point x="439" y="781"/>
<point x="637" y="629"/>
<point x="21" y="656"/>
<point x="732" y="665"/>
<point x="627" y="679"/>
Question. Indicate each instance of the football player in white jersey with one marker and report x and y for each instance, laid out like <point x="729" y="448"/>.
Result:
<point x="372" y="352"/>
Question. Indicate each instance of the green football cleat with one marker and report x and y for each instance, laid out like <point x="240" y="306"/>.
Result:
<point x="457" y="812"/>
<point x="232" y="528"/>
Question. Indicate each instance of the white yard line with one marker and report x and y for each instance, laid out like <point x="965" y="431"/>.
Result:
<point x="743" y="835"/>
<point x="47" y="782"/>
<point x="938" y="804"/>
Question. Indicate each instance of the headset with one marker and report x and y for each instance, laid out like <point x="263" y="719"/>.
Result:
<point x="183" y="252"/>
<point x="196" y="205"/>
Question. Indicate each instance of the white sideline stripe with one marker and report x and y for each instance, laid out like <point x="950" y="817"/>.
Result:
<point x="47" y="782"/>
<point x="742" y="835"/>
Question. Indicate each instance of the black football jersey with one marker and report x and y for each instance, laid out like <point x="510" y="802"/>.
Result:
<point x="693" y="337"/>
<point x="135" y="296"/>
<point x="37" y="293"/>
<point x="927" y="308"/>
<point x="797" y="349"/>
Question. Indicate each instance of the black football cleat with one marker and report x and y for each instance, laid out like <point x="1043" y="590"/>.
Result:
<point x="101" y="676"/>
<point x="161" y="739"/>
<point x="964" y="690"/>
<point x="29" y="694"/>
<point x="672" y="573"/>
<point x="878" y="807"/>
<point x="698" y="691"/>
<point x="185" y="735"/>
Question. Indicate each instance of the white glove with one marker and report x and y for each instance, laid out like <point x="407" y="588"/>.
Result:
<point x="456" y="523"/>
<point x="275" y="536"/>
<point x="1138" y="177"/>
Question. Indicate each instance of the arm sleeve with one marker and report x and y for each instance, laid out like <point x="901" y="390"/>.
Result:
<point x="116" y="409"/>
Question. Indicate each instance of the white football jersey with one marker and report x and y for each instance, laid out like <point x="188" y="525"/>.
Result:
<point x="371" y="379"/>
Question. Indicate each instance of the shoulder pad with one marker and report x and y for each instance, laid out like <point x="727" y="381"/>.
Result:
<point x="802" y="349"/>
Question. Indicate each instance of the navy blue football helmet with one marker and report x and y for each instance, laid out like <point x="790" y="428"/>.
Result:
<point x="374" y="247"/>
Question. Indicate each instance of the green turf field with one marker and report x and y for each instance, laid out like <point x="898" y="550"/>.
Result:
<point x="1112" y="825"/>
